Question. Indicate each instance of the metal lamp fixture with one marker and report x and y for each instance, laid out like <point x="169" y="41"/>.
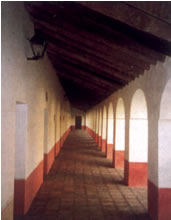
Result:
<point x="38" y="46"/>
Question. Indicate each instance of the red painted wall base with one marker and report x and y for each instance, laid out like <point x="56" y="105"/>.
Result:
<point x="26" y="189"/>
<point x="103" y="146"/>
<point x="159" y="202"/>
<point x="100" y="141"/>
<point x="118" y="158"/>
<point x="72" y="127"/>
<point x="97" y="138"/>
<point x="57" y="150"/>
<point x="135" y="174"/>
<point x="48" y="160"/>
<point x="109" y="153"/>
<point x="91" y="133"/>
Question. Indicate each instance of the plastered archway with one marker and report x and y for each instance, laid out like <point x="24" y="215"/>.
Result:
<point x="104" y="128"/>
<point x="109" y="153"/>
<point x="160" y="208"/>
<point x="136" y="161"/>
<point x="119" y="147"/>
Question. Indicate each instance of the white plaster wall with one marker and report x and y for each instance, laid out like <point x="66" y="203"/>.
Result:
<point x="165" y="153"/>
<point x="25" y="82"/>
<point x="110" y="131"/>
<point x="45" y="131"/>
<point x="100" y="123"/>
<point x="138" y="145"/>
<point x="164" y="127"/>
<point x="120" y="112"/>
<point x="138" y="139"/>
<point x="110" y="125"/>
<point x="152" y="83"/>
<point x="138" y="106"/>
<point x="21" y="140"/>
<point x="104" y="123"/>
<point x="94" y="121"/>
<point x="120" y="126"/>
<point x="97" y="122"/>
<point x="120" y="134"/>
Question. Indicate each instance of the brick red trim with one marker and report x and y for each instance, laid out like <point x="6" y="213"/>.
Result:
<point x="152" y="203"/>
<point x="159" y="202"/>
<point x="118" y="158"/>
<point x="94" y="135"/>
<point x="49" y="159"/>
<point x="26" y="190"/>
<point x="72" y="127"/>
<point x="135" y="174"/>
<point x="104" y="145"/>
<point x="19" y="195"/>
<point x="109" y="153"/>
<point x="100" y="141"/>
<point x="97" y="138"/>
<point x="57" y="150"/>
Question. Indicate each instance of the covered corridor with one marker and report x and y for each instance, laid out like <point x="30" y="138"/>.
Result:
<point x="104" y="67"/>
<point x="82" y="185"/>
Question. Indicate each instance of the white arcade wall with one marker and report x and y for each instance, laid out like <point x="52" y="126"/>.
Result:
<point x="29" y="89"/>
<point x="147" y="108"/>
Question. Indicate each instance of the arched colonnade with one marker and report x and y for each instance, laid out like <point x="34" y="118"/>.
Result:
<point x="134" y="127"/>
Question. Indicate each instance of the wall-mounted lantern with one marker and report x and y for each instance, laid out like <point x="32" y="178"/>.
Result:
<point x="38" y="45"/>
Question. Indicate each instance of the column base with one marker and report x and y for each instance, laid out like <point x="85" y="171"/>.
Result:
<point x="97" y="138"/>
<point x="109" y="153"/>
<point x="159" y="202"/>
<point x="118" y="158"/>
<point x="135" y="174"/>
<point x="100" y="141"/>
<point x="103" y="146"/>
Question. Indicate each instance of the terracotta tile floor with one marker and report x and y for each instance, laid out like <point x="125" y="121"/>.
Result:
<point x="82" y="185"/>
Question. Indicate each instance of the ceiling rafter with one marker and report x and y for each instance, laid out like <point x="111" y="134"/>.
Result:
<point x="99" y="57"/>
<point x="112" y="75"/>
<point x="95" y="53"/>
<point x="72" y="69"/>
<point x="132" y="16"/>
<point x="70" y="30"/>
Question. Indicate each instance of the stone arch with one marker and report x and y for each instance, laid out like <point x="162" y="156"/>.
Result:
<point x="136" y="165"/>
<point x="119" y="146"/>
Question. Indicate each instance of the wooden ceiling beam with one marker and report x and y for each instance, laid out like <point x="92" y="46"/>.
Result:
<point x="129" y="68"/>
<point x="111" y="74"/>
<point x="84" y="84"/>
<point x="93" y="53"/>
<point x="79" y="96"/>
<point x="71" y="70"/>
<point x="133" y="17"/>
<point x="105" y="62"/>
<point x="71" y="29"/>
<point x="65" y="62"/>
<point x="86" y="41"/>
<point x="68" y="15"/>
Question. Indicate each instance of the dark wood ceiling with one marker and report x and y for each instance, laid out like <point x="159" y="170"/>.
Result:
<point x="99" y="47"/>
